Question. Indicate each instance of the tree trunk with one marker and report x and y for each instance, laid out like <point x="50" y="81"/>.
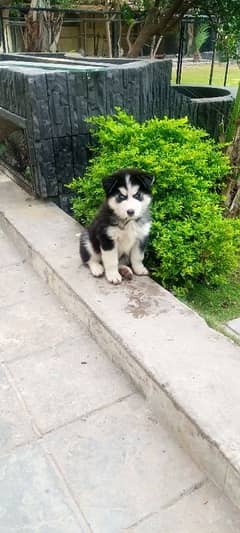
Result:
<point x="233" y="190"/>
<point x="197" y="56"/>
<point x="233" y="150"/>
<point x="190" y="33"/>
<point x="149" y="29"/>
<point x="155" y="51"/>
<point x="109" y="40"/>
<point x="6" y="29"/>
<point x="43" y="28"/>
<point x="157" y="23"/>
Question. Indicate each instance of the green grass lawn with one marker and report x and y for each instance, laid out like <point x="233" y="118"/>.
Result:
<point x="197" y="73"/>
<point x="217" y="305"/>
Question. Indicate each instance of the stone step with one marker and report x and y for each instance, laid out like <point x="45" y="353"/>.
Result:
<point x="80" y="449"/>
<point x="188" y="372"/>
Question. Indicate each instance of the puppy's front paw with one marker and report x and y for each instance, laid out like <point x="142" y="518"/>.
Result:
<point x="140" y="270"/>
<point x="114" y="277"/>
<point x="96" y="269"/>
<point x="126" y="272"/>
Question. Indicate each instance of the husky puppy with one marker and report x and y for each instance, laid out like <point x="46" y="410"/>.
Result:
<point x="114" y="242"/>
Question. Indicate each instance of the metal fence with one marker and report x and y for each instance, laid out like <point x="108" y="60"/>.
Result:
<point x="103" y="32"/>
<point x="212" y="41"/>
<point x="96" y="30"/>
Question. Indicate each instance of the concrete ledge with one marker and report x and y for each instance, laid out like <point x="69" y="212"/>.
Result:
<point x="12" y="117"/>
<point x="188" y="372"/>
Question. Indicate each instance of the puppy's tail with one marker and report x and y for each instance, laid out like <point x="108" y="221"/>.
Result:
<point x="83" y="247"/>
<point x="78" y="235"/>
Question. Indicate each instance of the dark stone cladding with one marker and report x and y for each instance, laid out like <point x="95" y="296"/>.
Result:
<point x="205" y="106"/>
<point x="53" y="106"/>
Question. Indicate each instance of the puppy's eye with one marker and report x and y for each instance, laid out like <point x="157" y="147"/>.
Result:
<point x="121" y="197"/>
<point x="138" y="195"/>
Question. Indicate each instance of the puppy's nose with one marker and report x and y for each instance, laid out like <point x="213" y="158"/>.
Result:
<point x="130" y="212"/>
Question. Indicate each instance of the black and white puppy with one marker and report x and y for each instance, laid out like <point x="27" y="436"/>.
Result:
<point x="116" y="239"/>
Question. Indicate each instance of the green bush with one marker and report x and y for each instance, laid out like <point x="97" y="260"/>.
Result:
<point x="190" y="238"/>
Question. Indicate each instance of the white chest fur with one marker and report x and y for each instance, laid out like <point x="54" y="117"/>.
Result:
<point x="126" y="237"/>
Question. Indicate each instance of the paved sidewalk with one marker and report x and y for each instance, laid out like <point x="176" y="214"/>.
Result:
<point x="79" y="449"/>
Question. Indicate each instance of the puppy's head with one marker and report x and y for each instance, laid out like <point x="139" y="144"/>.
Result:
<point x="128" y="192"/>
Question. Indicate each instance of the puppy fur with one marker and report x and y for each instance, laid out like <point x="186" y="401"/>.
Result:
<point x="115" y="241"/>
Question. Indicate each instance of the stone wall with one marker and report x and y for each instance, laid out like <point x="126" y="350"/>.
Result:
<point x="52" y="106"/>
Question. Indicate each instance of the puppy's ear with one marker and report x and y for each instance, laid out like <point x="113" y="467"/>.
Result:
<point x="109" y="183"/>
<point x="146" y="179"/>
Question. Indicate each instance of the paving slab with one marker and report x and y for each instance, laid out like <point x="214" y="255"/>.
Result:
<point x="32" y="499"/>
<point x="15" y="425"/>
<point x="17" y="289"/>
<point x="203" y="510"/>
<point x="39" y="326"/>
<point x="188" y="372"/>
<point x="122" y="466"/>
<point x="57" y="385"/>
<point x="8" y="253"/>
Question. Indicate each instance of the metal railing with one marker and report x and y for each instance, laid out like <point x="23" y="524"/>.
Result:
<point x="88" y="32"/>
<point x="15" y="18"/>
<point x="187" y="19"/>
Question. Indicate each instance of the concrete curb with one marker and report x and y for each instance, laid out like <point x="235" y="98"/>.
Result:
<point x="188" y="372"/>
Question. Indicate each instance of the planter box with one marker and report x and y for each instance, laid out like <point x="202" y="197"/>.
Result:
<point x="207" y="107"/>
<point x="49" y="98"/>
